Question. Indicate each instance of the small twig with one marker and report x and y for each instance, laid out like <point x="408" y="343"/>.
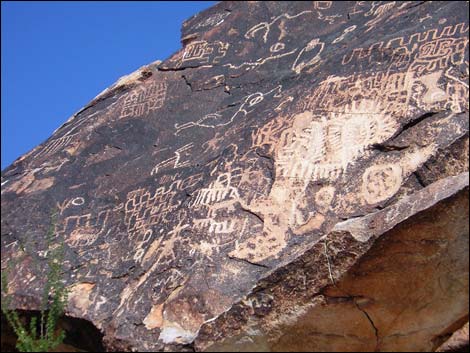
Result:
<point x="329" y="264"/>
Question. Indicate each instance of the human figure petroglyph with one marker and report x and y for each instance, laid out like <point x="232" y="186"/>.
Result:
<point x="322" y="147"/>
<point x="144" y="100"/>
<point x="248" y="105"/>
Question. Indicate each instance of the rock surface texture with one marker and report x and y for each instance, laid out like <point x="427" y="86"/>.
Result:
<point x="294" y="178"/>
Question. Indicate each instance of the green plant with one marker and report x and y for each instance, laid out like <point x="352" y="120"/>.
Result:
<point x="54" y="299"/>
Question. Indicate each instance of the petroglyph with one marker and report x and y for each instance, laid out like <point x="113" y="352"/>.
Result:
<point x="214" y="120"/>
<point x="272" y="32"/>
<point x="321" y="148"/>
<point x="145" y="209"/>
<point x="202" y="52"/>
<point x="67" y="203"/>
<point x="320" y="9"/>
<point x="55" y="145"/>
<point x="269" y="134"/>
<point x="176" y="160"/>
<point x="308" y="56"/>
<point x="214" y="227"/>
<point x="379" y="14"/>
<point x="380" y="182"/>
<point x="214" y="20"/>
<point x="83" y="230"/>
<point x="322" y="5"/>
<point x="318" y="146"/>
<point x="28" y="183"/>
<point x="324" y="198"/>
<point x="217" y="191"/>
<point x="437" y="45"/>
<point x="264" y="28"/>
<point x="144" y="100"/>
<point x="344" y="34"/>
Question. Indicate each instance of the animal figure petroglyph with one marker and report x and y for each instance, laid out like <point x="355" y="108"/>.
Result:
<point x="175" y="161"/>
<point x="273" y="32"/>
<point x="214" y="120"/>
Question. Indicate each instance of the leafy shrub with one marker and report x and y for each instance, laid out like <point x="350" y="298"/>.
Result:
<point x="42" y="335"/>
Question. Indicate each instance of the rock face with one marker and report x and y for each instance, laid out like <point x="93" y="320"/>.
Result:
<point x="294" y="178"/>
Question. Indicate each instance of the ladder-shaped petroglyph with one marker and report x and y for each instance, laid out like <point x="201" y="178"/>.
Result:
<point x="217" y="191"/>
<point x="213" y="20"/>
<point x="55" y="145"/>
<point x="144" y="100"/>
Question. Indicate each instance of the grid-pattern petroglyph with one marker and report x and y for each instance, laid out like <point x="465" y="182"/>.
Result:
<point x="144" y="100"/>
<point x="436" y="46"/>
<point x="204" y="52"/>
<point x="145" y="209"/>
<point x="83" y="230"/>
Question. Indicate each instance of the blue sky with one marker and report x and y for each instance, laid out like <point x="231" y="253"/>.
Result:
<point x="57" y="56"/>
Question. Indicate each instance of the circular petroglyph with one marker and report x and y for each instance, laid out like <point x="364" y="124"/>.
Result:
<point x="381" y="182"/>
<point x="324" y="197"/>
<point x="78" y="201"/>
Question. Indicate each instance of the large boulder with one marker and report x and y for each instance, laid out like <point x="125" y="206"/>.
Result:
<point x="294" y="178"/>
